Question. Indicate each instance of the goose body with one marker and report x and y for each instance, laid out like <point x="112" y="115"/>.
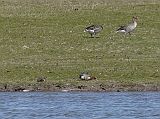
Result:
<point x="128" y="28"/>
<point x="41" y="79"/>
<point x="86" y="76"/>
<point x="94" y="29"/>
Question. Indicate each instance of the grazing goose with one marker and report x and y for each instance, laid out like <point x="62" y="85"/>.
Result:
<point x="94" y="29"/>
<point x="41" y="79"/>
<point x="86" y="76"/>
<point x="128" y="28"/>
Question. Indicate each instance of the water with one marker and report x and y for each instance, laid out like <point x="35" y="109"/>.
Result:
<point x="80" y="105"/>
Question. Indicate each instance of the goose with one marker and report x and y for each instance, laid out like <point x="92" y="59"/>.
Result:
<point x="93" y="29"/>
<point x="86" y="76"/>
<point x="128" y="28"/>
<point x="41" y="79"/>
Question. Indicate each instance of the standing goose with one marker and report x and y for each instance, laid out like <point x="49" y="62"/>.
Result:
<point x="128" y="28"/>
<point x="94" y="29"/>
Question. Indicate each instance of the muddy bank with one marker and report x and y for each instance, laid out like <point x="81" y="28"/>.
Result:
<point x="82" y="88"/>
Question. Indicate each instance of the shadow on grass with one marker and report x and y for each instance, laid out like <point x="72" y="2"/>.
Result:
<point x="90" y="37"/>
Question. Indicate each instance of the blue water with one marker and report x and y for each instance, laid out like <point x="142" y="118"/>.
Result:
<point x="80" y="105"/>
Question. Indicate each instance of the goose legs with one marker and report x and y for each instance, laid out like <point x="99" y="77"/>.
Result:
<point x="94" y="36"/>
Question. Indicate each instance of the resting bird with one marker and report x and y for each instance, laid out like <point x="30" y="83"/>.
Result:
<point x="41" y="79"/>
<point x="128" y="28"/>
<point x="86" y="76"/>
<point x="94" y="29"/>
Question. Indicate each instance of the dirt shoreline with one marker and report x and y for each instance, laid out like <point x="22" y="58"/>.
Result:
<point x="80" y="88"/>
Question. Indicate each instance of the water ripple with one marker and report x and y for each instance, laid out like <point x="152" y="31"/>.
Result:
<point x="80" y="105"/>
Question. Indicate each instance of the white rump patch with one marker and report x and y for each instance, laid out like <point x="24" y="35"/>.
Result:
<point x="122" y="31"/>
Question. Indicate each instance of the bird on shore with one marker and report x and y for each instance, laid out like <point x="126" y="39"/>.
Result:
<point x="41" y="79"/>
<point x="128" y="28"/>
<point x="93" y="29"/>
<point x="86" y="76"/>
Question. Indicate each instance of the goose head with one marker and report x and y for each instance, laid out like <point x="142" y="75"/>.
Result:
<point x="134" y="18"/>
<point x="92" y="77"/>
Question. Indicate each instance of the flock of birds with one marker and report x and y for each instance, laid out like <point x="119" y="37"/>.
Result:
<point x="94" y="29"/>
<point x="83" y="76"/>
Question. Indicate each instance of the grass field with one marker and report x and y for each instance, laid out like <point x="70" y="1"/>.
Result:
<point x="45" y="38"/>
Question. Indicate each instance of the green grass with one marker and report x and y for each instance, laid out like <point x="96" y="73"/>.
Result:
<point x="46" y="39"/>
